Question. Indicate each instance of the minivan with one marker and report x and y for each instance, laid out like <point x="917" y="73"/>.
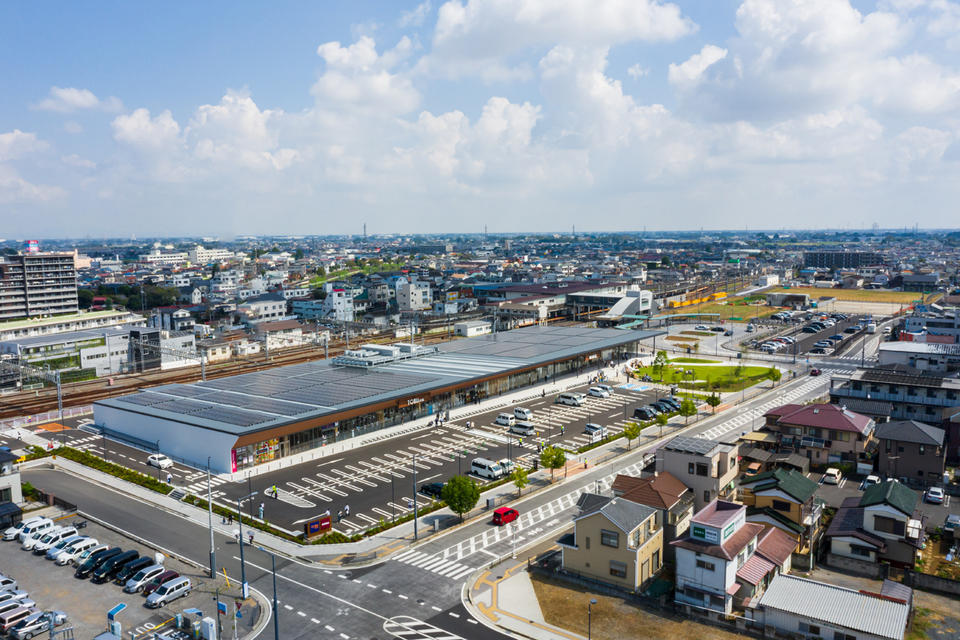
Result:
<point x="159" y="581"/>
<point x="597" y="392"/>
<point x="80" y="551"/>
<point x="132" y="568"/>
<point x="94" y="561"/>
<point x="106" y="571"/>
<point x="672" y="402"/>
<point x="31" y="541"/>
<point x="58" y="548"/>
<point x="505" y="419"/>
<point x="36" y="623"/>
<point x="486" y="468"/>
<point x="42" y="525"/>
<point x="11" y="618"/>
<point x="53" y="538"/>
<point x="523" y="429"/>
<point x="644" y="413"/>
<point x="169" y="592"/>
<point x="522" y="414"/>
<point x="14" y="531"/>
<point x="570" y="399"/>
<point x="140" y="579"/>
<point x="606" y="388"/>
<point x="593" y="428"/>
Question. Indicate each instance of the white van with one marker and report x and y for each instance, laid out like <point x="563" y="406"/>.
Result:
<point x="570" y="399"/>
<point x="522" y="428"/>
<point x="58" y="548"/>
<point x="32" y="540"/>
<point x="486" y="468"/>
<point x="75" y="550"/>
<point x="606" y="388"/>
<point x="42" y="525"/>
<point x="168" y="592"/>
<point x="593" y="428"/>
<point x="505" y="419"/>
<point x="522" y="414"/>
<point x="53" y="538"/>
<point x="12" y="532"/>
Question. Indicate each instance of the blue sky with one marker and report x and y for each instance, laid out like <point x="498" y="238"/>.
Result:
<point x="524" y="115"/>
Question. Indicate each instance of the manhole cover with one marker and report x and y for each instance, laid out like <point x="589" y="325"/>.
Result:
<point x="499" y="577"/>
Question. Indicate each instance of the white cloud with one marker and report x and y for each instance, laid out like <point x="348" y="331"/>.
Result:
<point x="18" y="145"/>
<point x="416" y="17"/>
<point x="139" y="130"/>
<point x="357" y="77"/>
<point x="76" y="161"/>
<point x="482" y="35"/>
<point x="636" y="71"/>
<point x="72" y="126"/>
<point x="68" y="100"/>
<point x="689" y="73"/>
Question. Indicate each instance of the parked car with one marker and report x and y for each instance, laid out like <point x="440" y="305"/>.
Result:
<point x="810" y="330"/>
<point x="159" y="460"/>
<point x="592" y="429"/>
<point x="94" y="561"/>
<point x="10" y="605"/>
<point x="837" y="337"/>
<point x="10" y="619"/>
<point x="58" y="548"/>
<point x="507" y="465"/>
<point x="51" y="539"/>
<point x="505" y="419"/>
<point x="671" y="402"/>
<point x="597" y="392"/>
<point x="432" y="489"/>
<point x="934" y="495"/>
<point x="13" y="531"/>
<point x="832" y="476"/>
<point x="818" y="351"/>
<point x="850" y="330"/>
<point x="716" y="329"/>
<point x="701" y="327"/>
<point x="36" y="624"/>
<point x="142" y="578"/>
<point x="728" y="332"/>
<point x="505" y="515"/>
<point x="168" y="592"/>
<point x="663" y="406"/>
<point x="79" y="552"/>
<point x="7" y="584"/>
<point x="644" y="413"/>
<point x="132" y="568"/>
<point x="157" y="582"/>
<point x="871" y="480"/>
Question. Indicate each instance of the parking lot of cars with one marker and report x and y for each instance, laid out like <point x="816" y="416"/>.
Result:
<point x="36" y="585"/>
<point x="818" y="334"/>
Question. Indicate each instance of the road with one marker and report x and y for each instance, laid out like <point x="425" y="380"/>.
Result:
<point x="419" y="587"/>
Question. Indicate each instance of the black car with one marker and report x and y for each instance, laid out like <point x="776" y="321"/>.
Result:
<point x="716" y="329"/>
<point x="94" y="561"/>
<point x="644" y="413"/>
<point x="109" y="569"/>
<point x="670" y="402"/>
<point x="728" y="332"/>
<point x="131" y="568"/>
<point x="432" y="490"/>
<point x="664" y="407"/>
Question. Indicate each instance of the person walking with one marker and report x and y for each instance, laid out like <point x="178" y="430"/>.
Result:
<point x="346" y="510"/>
<point x="169" y="478"/>
<point x="339" y="515"/>
<point x="251" y="538"/>
<point x="230" y="521"/>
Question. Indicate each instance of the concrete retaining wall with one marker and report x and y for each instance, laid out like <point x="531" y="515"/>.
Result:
<point x="931" y="583"/>
<point x="859" y="567"/>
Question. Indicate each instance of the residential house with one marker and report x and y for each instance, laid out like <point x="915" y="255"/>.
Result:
<point x="672" y="499"/>
<point x="614" y="541"/>
<point x="722" y="559"/>
<point x="338" y="305"/>
<point x="784" y="499"/>
<point x="189" y="295"/>
<point x="796" y="607"/>
<point x="267" y="308"/>
<point x="882" y="525"/>
<point x="822" y="432"/>
<point x="911" y="451"/>
<point x="708" y="467"/>
<point x="414" y="296"/>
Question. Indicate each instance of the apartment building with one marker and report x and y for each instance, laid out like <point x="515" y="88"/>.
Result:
<point x="841" y="259"/>
<point x="707" y="467"/>
<point x="414" y="296"/>
<point x="913" y="394"/>
<point x="37" y="284"/>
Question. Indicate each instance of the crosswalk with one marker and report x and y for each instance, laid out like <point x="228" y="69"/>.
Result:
<point x="634" y="386"/>
<point x="429" y="562"/>
<point x="410" y="628"/>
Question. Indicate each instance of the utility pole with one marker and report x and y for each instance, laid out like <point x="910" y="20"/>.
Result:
<point x="414" y="496"/>
<point x="213" y="549"/>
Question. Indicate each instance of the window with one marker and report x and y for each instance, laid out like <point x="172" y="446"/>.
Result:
<point x="706" y="496"/>
<point x="702" y="469"/>
<point x="741" y="559"/>
<point x="840" y="635"/>
<point x="691" y="468"/>
<point x="718" y="601"/>
<point x="708" y="566"/>
<point x="859" y="550"/>
<point x="618" y="569"/>
<point x="900" y="449"/>
<point x="781" y="505"/>
<point x="588" y="543"/>
<point x="750" y="549"/>
<point x="609" y="538"/>
<point x="888" y="525"/>
<point x="656" y="560"/>
<point x="810" y="629"/>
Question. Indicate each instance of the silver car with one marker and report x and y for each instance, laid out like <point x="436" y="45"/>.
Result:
<point x="7" y="596"/>
<point x="142" y="577"/>
<point x="168" y="592"/>
<point x="37" y="623"/>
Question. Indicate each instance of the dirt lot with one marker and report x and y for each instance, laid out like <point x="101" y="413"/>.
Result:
<point x="86" y="603"/>
<point x="857" y="295"/>
<point x="565" y="606"/>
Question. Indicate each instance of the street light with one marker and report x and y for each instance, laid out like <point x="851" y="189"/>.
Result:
<point x="243" y="566"/>
<point x="213" y="549"/>
<point x="593" y="601"/>
<point x="276" y="618"/>
<point x="414" y="496"/>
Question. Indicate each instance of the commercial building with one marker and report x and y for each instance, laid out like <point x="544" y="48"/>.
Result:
<point x="708" y="467"/>
<point x="838" y="260"/>
<point x="200" y="255"/>
<point x="82" y="320"/>
<point x="254" y="418"/>
<point x="926" y="356"/>
<point x="37" y="284"/>
<point x="105" y="350"/>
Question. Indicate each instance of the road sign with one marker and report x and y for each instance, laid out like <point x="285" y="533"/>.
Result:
<point x="222" y="607"/>
<point x="113" y="612"/>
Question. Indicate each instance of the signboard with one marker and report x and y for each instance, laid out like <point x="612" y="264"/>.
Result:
<point x="704" y="534"/>
<point x="729" y="531"/>
<point x="317" y="527"/>
<point x="414" y="401"/>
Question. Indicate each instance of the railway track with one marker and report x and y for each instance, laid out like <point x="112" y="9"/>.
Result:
<point x="83" y="393"/>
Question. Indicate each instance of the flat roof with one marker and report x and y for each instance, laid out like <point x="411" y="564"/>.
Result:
<point x="68" y="336"/>
<point x="69" y="317"/>
<point x="254" y="402"/>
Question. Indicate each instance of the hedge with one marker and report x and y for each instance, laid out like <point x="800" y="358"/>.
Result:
<point x="116" y="470"/>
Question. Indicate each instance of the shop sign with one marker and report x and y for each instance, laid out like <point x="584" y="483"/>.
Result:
<point x="592" y="356"/>
<point x="317" y="527"/>
<point x="704" y="534"/>
<point x="414" y="401"/>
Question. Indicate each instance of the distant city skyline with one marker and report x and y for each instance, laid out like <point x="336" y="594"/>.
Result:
<point x="446" y="116"/>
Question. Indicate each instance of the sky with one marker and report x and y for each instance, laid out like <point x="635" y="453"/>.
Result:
<point x="253" y="118"/>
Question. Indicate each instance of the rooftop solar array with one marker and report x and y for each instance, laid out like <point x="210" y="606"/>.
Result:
<point x="691" y="445"/>
<point x="312" y="389"/>
<point x="926" y="379"/>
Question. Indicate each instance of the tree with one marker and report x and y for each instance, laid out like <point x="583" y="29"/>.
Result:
<point x="631" y="432"/>
<point x="553" y="458"/>
<point x="274" y="249"/>
<point x="774" y="375"/>
<point x="688" y="408"/>
<point x="461" y="494"/>
<point x="696" y="347"/>
<point x="659" y="363"/>
<point x="84" y="298"/>
<point x="215" y="269"/>
<point x="520" y="479"/>
<point x="662" y="420"/>
<point x="714" y="402"/>
<point x="665" y="261"/>
<point x="321" y="271"/>
<point x="298" y="255"/>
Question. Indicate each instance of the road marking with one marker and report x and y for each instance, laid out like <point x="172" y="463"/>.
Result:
<point x="301" y="613"/>
<point x="372" y="586"/>
<point x="436" y="608"/>
<point x="314" y="621"/>
<point x="455" y="615"/>
<point x="288" y="607"/>
<point x="387" y="591"/>
<point x="328" y="627"/>
<point x="400" y="595"/>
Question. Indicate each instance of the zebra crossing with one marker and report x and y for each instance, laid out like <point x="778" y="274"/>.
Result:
<point x="200" y="488"/>
<point x="429" y="562"/>
<point x="410" y="628"/>
<point x="634" y="386"/>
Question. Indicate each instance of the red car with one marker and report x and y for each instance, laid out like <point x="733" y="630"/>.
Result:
<point x="504" y="515"/>
<point x="815" y="372"/>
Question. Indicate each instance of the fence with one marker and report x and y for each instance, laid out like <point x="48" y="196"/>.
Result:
<point x="40" y="418"/>
<point x="51" y="500"/>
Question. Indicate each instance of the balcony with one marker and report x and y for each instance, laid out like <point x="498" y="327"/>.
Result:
<point x="921" y="399"/>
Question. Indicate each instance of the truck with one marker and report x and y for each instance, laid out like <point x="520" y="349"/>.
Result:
<point x="872" y="328"/>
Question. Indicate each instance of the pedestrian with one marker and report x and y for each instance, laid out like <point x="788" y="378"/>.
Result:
<point x="409" y="503"/>
<point x="251" y="538"/>
<point x="276" y="492"/>
<point x="326" y="513"/>
<point x="169" y="478"/>
<point x="346" y="510"/>
<point x="339" y="515"/>
<point x="230" y="522"/>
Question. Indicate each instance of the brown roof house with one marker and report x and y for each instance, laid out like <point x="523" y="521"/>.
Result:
<point x="822" y="432"/>
<point x="724" y="560"/>
<point x="670" y="497"/>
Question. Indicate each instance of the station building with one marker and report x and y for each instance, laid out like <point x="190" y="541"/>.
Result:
<point x="251" y="419"/>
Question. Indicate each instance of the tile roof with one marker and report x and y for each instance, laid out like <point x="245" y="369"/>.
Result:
<point x="729" y="549"/>
<point x="662" y="491"/>
<point x="823" y="416"/>
<point x="848" y="522"/>
<point x="892" y="493"/>
<point x="626" y="515"/>
<point x="754" y="512"/>
<point x="754" y="569"/>
<point x="794" y="484"/>
<point x="844" y="608"/>
<point x="911" y="431"/>
<point x="718" y="513"/>
<point x="776" y="546"/>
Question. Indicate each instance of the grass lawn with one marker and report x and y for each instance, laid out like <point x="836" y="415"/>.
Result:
<point x="731" y="308"/>
<point x="857" y="295"/>
<point x="708" y="334"/>
<point x="720" y="378"/>
<point x="691" y="360"/>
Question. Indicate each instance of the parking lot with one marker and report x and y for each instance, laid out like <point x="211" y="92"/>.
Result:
<point x="806" y="341"/>
<point x="835" y="494"/>
<point x="86" y="603"/>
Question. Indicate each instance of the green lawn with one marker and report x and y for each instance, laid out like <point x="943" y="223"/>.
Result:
<point x="708" y="334"/>
<point x="710" y="378"/>
<point x="691" y="360"/>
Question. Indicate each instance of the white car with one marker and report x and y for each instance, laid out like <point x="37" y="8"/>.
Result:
<point x="871" y="480"/>
<point x="701" y="327"/>
<point x="832" y="476"/>
<point x="597" y="392"/>
<point x="35" y="539"/>
<point x="12" y="532"/>
<point x="934" y="495"/>
<point x="159" y="460"/>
